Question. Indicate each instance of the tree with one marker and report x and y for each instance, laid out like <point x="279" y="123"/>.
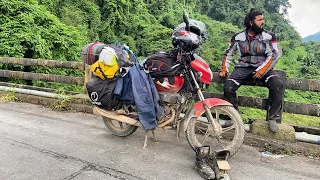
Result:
<point x="84" y="14"/>
<point x="29" y="30"/>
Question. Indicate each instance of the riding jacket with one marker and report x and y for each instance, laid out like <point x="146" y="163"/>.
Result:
<point x="260" y="51"/>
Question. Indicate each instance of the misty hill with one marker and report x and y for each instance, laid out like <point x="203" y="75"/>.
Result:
<point x="314" y="37"/>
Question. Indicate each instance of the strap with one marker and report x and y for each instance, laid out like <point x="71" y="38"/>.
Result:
<point x="102" y="72"/>
<point x="89" y="55"/>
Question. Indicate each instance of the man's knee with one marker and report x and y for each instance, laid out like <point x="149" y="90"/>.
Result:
<point x="230" y="86"/>
<point x="275" y="84"/>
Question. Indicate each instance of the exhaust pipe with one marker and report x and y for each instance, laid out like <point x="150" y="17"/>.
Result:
<point x="115" y="116"/>
<point x="170" y="120"/>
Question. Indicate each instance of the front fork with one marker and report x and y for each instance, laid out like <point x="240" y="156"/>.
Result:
<point x="217" y="128"/>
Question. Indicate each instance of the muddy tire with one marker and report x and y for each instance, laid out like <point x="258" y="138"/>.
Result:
<point x="233" y="145"/>
<point x="119" y="129"/>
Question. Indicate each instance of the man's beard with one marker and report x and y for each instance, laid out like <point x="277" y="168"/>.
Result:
<point x="256" y="29"/>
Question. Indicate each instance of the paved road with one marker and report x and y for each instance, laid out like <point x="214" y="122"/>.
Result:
<point x="38" y="143"/>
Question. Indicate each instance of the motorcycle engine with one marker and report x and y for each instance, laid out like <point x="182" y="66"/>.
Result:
<point x="172" y="98"/>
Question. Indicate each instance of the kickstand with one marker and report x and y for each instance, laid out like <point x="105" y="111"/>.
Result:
<point x="154" y="138"/>
<point x="178" y="130"/>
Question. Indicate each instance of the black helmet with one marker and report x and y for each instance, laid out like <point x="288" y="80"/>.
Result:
<point x="198" y="34"/>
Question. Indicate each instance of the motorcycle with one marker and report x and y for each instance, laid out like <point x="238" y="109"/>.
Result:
<point x="210" y="121"/>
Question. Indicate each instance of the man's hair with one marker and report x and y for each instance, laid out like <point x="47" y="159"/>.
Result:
<point x="251" y="16"/>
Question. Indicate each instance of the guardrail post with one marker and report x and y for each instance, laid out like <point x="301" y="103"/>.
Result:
<point x="87" y="76"/>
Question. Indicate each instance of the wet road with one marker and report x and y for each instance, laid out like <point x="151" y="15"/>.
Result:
<point x="38" y="143"/>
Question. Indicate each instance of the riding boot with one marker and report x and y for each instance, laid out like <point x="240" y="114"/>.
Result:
<point x="273" y="126"/>
<point x="213" y="162"/>
<point x="202" y="158"/>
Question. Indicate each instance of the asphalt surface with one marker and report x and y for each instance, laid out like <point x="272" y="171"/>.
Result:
<point x="38" y="143"/>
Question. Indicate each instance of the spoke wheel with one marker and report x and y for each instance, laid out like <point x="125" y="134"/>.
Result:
<point x="201" y="132"/>
<point x="119" y="128"/>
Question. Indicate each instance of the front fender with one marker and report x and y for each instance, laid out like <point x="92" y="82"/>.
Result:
<point x="198" y="109"/>
<point x="210" y="102"/>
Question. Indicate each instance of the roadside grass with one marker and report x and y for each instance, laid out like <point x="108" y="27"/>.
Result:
<point x="62" y="102"/>
<point x="295" y="119"/>
<point x="10" y="95"/>
<point x="301" y="120"/>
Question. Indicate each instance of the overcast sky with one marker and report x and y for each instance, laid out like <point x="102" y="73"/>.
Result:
<point x="304" y="15"/>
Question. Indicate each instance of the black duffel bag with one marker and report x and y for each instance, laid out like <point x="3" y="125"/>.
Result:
<point x="101" y="92"/>
<point x="161" y="63"/>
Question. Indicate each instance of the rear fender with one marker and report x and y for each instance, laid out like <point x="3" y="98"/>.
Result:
<point x="198" y="109"/>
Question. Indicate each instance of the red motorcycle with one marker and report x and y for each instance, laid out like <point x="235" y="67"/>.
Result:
<point x="210" y="121"/>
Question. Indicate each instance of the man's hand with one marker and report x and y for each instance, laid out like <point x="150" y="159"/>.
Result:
<point x="257" y="75"/>
<point x="223" y="74"/>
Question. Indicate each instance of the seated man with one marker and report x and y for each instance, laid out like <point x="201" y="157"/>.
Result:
<point x="258" y="50"/>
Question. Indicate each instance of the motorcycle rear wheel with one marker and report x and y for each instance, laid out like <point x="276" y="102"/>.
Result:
<point x="119" y="128"/>
<point x="196" y="128"/>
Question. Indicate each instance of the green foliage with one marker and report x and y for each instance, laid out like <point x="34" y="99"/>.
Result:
<point x="84" y="14"/>
<point x="301" y="96"/>
<point x="233" y="11"/>
<point x="310" y="61"/>
<point x="29" y="30"/>
<point x="267" y="147"/>
<point x="248" y="114"/>
<point x="301" y="120"/>
<point x="64" y="87"/>
<point x="62" y="101"/>
<point x="297" y="119"/>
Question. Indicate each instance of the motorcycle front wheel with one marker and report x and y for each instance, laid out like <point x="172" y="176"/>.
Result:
<point x="200" y="131"/>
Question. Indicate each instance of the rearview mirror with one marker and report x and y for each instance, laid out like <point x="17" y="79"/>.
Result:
<point x="186" y="20"/>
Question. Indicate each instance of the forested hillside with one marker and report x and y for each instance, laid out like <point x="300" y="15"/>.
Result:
<point x="58" y="29"/>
